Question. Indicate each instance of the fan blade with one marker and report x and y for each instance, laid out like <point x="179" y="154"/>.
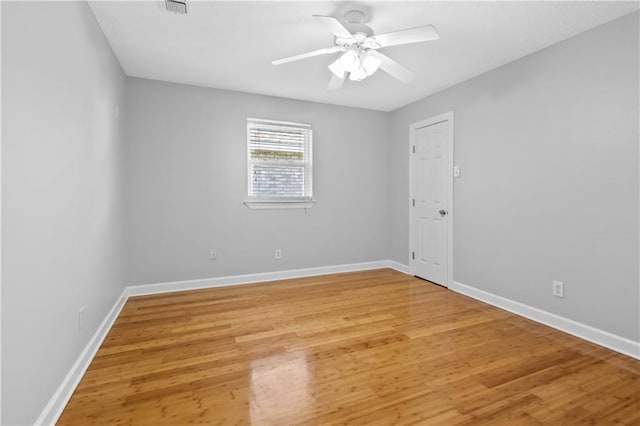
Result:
<point x="308" y="55"/>
<point x="410" y="35"/>
<point x="336" y="26"/>
<point x="335" y="83"/>
<point x="393" y="68"/>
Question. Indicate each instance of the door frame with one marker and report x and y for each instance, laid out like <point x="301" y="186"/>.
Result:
<point x="447" y="116"/>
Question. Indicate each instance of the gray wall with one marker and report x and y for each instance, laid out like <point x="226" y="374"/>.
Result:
<point x="187" y="181"/>
<point x="548" y="149"/>
<point x="62" y="195"/>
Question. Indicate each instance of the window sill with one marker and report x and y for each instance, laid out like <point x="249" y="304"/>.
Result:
<point x="258" y="204"/>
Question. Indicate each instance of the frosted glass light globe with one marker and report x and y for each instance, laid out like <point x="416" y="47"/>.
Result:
<point x="350" y="61"/>
<point x="370" y="63"/>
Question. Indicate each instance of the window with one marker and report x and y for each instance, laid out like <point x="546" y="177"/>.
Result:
<point x="279" y="164"/>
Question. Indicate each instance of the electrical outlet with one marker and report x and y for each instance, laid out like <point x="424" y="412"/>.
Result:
<point x="558" y="288"/>
<point x="81" y="318"/>
<point x="278" y="254"/>
<point x="456" y="171"/>
<point x="213" y="255"/>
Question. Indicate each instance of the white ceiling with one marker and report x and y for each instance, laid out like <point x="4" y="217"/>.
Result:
<point x="230" y="45"/>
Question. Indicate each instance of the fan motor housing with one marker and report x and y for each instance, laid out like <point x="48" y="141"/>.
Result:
<point x="354" y="22"/>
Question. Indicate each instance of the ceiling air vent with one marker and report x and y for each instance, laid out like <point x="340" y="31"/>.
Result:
<point x="176" y="6"/>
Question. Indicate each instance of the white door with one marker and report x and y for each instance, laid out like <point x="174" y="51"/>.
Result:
<point x="430" y="218"/>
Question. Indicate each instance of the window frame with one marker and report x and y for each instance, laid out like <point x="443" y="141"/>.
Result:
<point x="260" y="202"/>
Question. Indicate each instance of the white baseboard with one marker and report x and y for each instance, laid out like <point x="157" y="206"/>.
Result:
<point x="586" y="332"/>
<point x="398" y="267"/>
<point x="55" y="406"/>
<point x="146" y="289"/>
<point x="59" y="400"/>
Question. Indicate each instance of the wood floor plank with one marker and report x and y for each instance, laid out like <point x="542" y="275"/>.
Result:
<point x="366" y="348"/>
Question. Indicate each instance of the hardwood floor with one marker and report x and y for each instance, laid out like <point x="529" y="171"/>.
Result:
<point x="375" y="347"/>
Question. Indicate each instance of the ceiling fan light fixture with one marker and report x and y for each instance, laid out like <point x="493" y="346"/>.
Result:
<point x="359" y="46"/>
<point x="350" y="61"/>
<point x="358" y="75"/>
<point x="370" y="63"/>
<point x="337" y="69"/>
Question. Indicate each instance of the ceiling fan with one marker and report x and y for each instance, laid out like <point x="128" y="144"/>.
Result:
<point x="359" y="46"/>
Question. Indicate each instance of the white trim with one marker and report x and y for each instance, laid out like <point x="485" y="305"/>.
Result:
<point x="279" y="123"/>
<point x="583" y="331"/>
<point x="62" y="395"/>
<point x="146" y="289"/>
<point x="259" y="204"/>
<point x="398" y="267"/>
<point x="447" y="116"/>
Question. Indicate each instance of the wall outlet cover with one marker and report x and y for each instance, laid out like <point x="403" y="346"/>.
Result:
<point x="558" y="288"/>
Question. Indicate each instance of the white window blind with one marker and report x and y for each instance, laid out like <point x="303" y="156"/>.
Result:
<point x="279" y="160"/>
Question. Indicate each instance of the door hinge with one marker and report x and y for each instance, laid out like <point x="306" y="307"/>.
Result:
<point x="414" y="149"/>
<point x="413" y="255"/>
<point x="413" y="202"/>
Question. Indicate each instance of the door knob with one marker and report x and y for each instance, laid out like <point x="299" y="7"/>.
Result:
<point x="442" y="212"/>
